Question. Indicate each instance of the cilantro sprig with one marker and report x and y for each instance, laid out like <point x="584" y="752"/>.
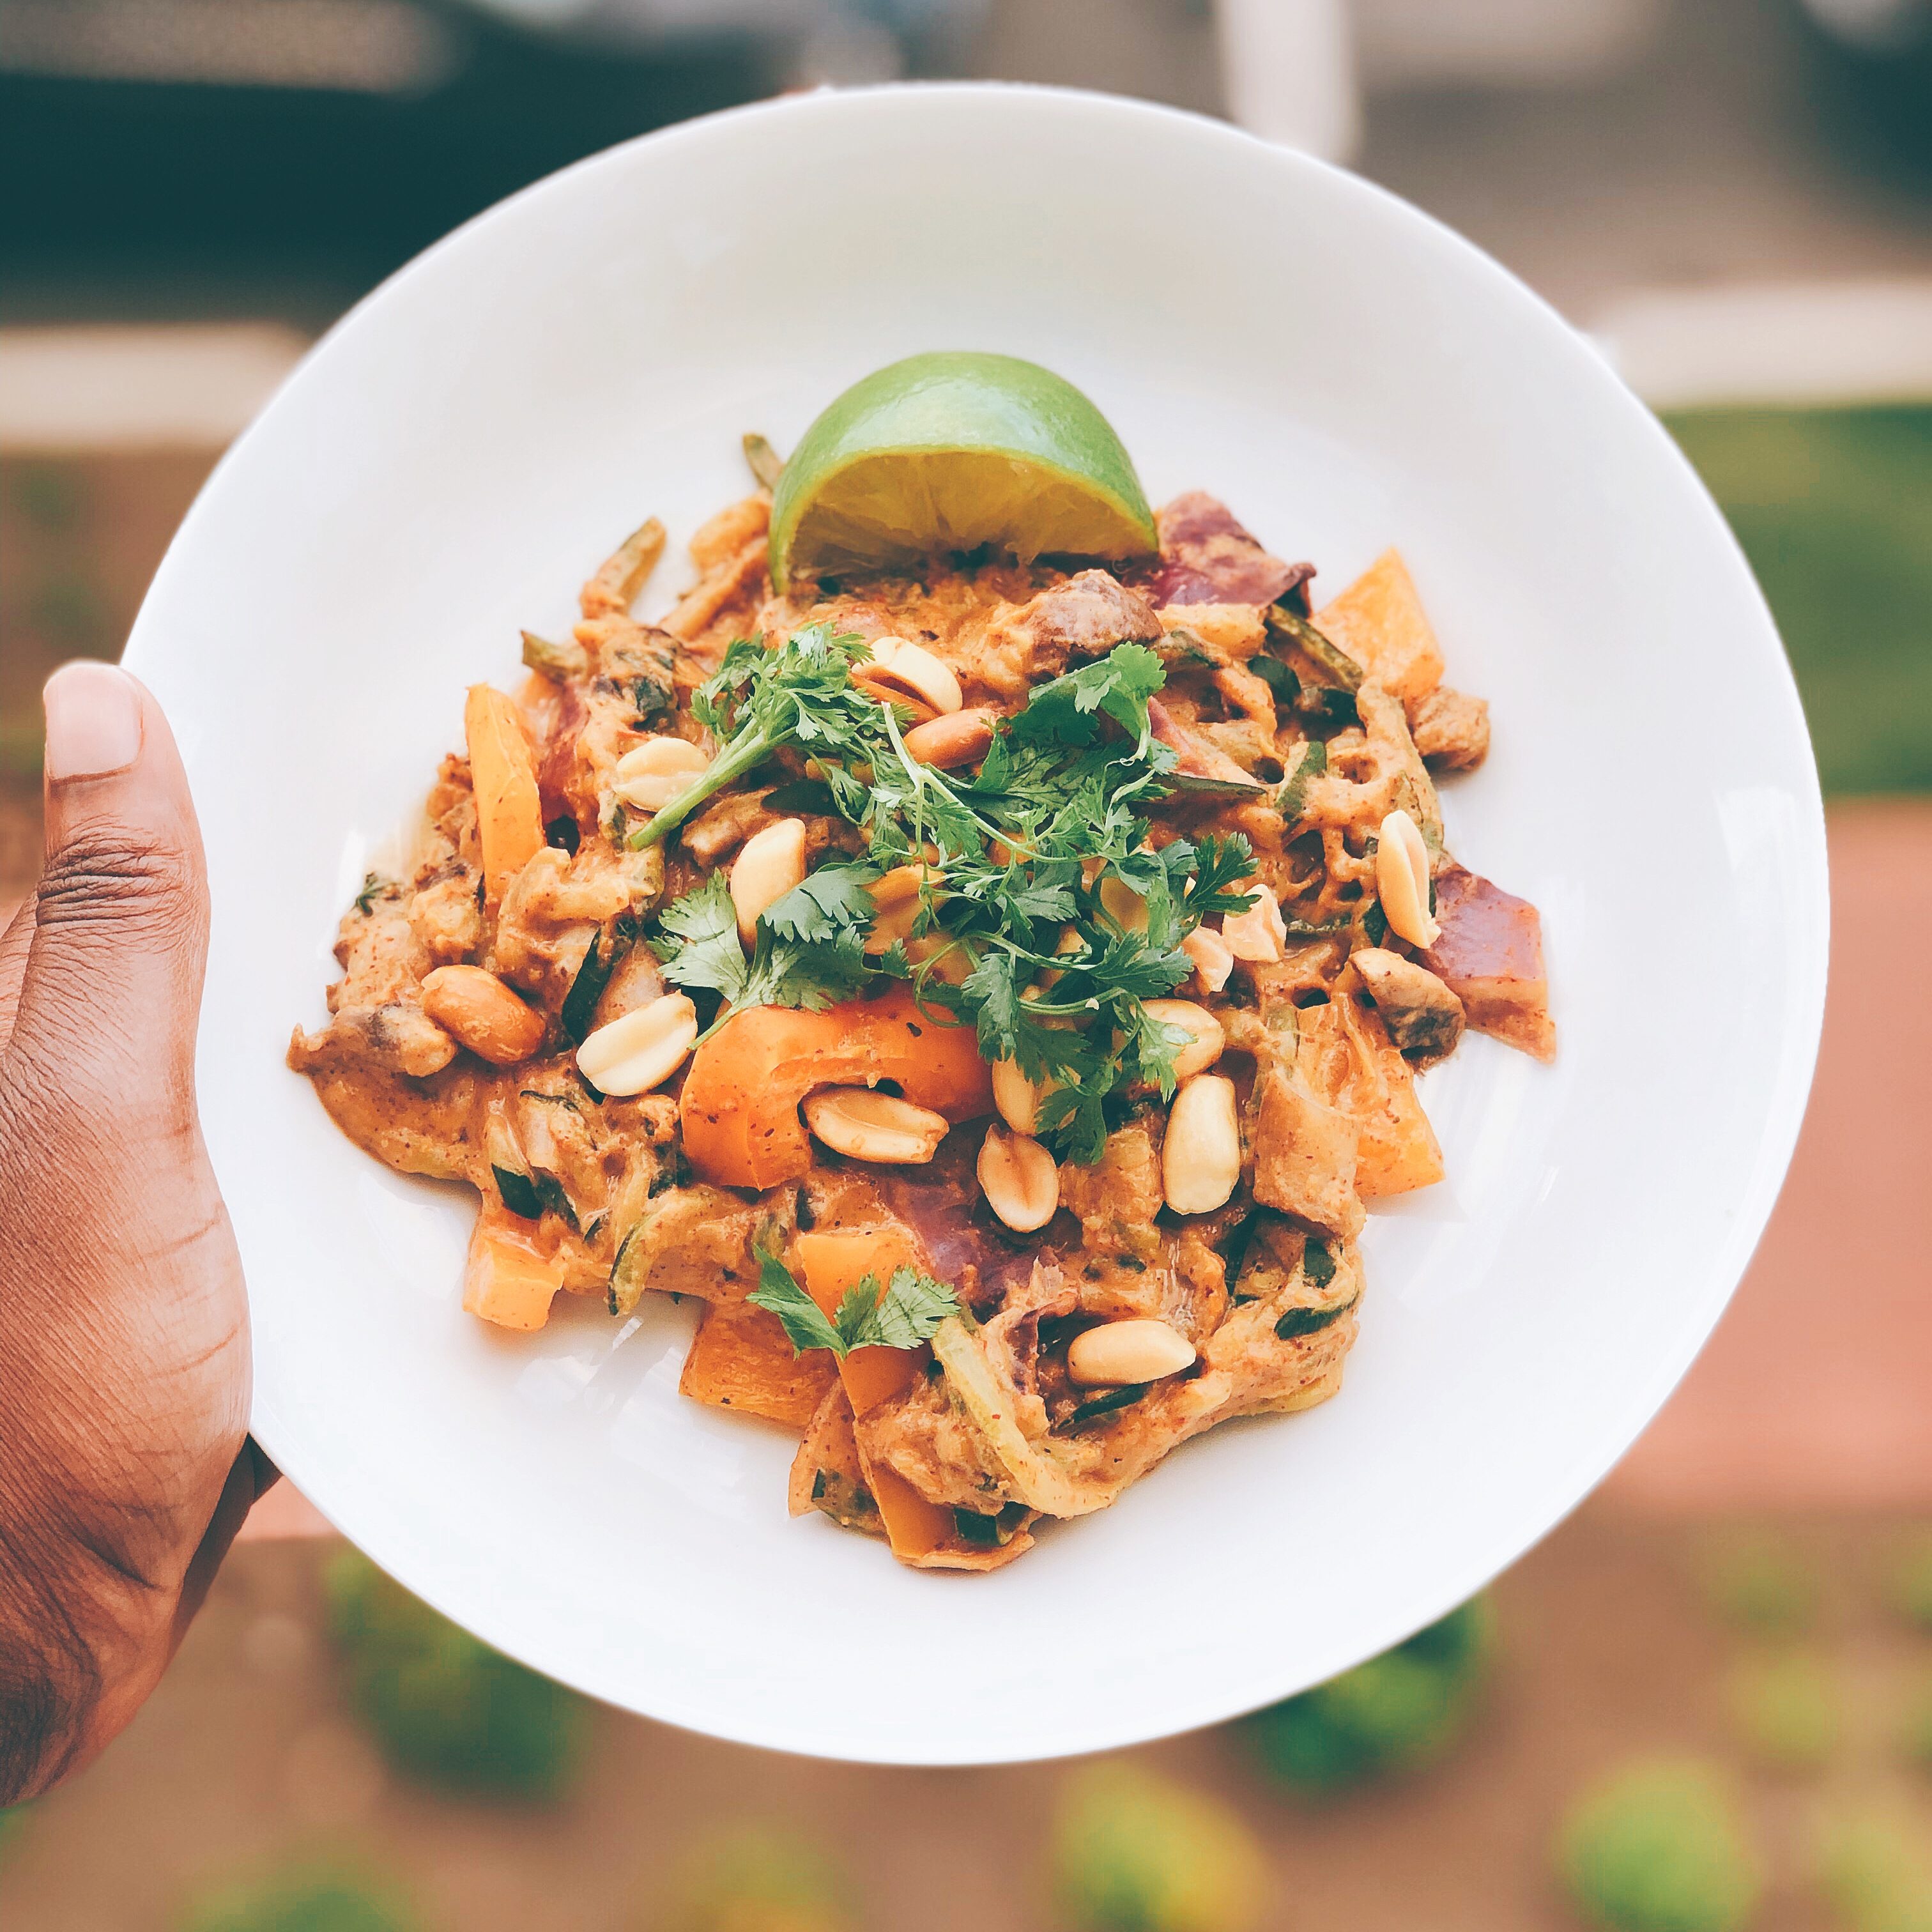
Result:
<point x="759" y="700"/>
<point x="1045" y="920"/>
<point x="907" y="1312"/>
<point x="805" y="956"/>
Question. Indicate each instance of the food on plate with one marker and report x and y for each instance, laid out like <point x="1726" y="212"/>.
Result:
<point x="991" y="983"/>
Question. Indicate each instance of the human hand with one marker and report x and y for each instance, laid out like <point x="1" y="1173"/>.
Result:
<point x="125" y="1468"/>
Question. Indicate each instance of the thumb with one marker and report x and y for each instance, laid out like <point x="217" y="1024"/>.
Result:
<point x="112" y="981"/>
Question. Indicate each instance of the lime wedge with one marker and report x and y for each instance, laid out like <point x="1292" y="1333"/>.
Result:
<point x="952" y="451"/>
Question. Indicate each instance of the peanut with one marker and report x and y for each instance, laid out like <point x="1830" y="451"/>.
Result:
<point x="477" y="1010"/>
<point x="895" y="901"/>
<point x="651" y="774"/>
<point x="1019" y="1179"/>
<point x="643" y="1049"/>
<point x="869" y="1126"/>
<point x="905" y="672"/>
<point x="1213" y="962"/>
<point x="956" y="738"/>
<point x="769" y="865"/>
<point x="1402" y="880"/>
<point x="1259" y="933"/>
<point x="1118" y="1355"/>
<point x="1200" y="1160"/>
<point x="1017" y="1097"/>
<point x="1206" y="1035"/>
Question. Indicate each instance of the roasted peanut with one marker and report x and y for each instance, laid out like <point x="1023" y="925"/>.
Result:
<point x="1200" y="1160"/>
<point x="1206" y="1037"/>
<point x="1019" y="1179"/>
<point x="651" y="774"/>
<point x="896" y="902"/>
<point x="642" y="1050"/>
<point x="1260" y="933"/>
<point x="769" y="865"/>
<point x="1402" y="880"/>
<point x="1118" y="1354"/>
<point x="869" y="1126"/>
<point x="908" y="674"/>
<point x="955" y="739"/>
<point x="1017" y="1097"/>
<point x="1213" y="962"/>
<point x="477" y="1010"/>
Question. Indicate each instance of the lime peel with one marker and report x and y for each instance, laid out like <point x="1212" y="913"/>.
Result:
<point x="952" y="451"/>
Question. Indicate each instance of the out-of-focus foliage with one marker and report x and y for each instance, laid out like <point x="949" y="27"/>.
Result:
<point x="760" y="1880"/>
<point x="310" y="1898"/>
<point x="1757" y="1581"/>
<point x="1914" y="1735"/>
<point x="13" y="1823"/>
<point x="1660" y="1847"/>
<point x="1788" y="1708"/>
<point x="1909" y="1585"/>
<point x="1833" y="509"/>
<point x="1873" y="1871"/>
<point x="1398" y="1712"/>
<point x="445" y="1708"/>
<point x="1132" y="1852"/>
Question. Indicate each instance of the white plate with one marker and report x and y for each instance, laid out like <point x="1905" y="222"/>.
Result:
<point x="456" y="456"/>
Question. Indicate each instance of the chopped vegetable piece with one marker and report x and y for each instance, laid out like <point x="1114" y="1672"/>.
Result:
<point x="1299" y="1321"/>
<point x="1378" y="622"/>
<point x="557" y="661"/>
<point x="742" y="1358"/>
<point x="1315" y="645"/>
<point x="739" y="1103"/>
<point x="509" y="820"/>
<point x="579" y="1003"/>
<point x="507" y="1280"/>
<point x="763" y="461"/>
<point x="833" y="1264"/>
<point x="1105" y="1405"/>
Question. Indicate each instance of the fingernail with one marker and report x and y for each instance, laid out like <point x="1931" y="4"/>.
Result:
<point x="93" y="722"/>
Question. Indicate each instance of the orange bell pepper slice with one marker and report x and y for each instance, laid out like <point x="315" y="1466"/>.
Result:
<point x="832" y="1261"/>
<point x="739" y="1110"/>
<point x="507" y="1280"/>
<point x="503" y="774"/>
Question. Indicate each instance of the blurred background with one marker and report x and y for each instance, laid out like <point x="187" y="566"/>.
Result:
<point x="1705" y="1702"/>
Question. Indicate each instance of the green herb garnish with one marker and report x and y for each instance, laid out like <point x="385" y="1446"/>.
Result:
<point x="760" y="700"/>
<point x="820" y="959"/>
<point x="907" y="1312"/>
<point x="1039" y="879"/>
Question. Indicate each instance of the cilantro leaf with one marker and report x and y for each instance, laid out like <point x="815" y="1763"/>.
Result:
<point x="700" y="948"/>
<point x="778" y="1292"/>
<point x="1118" y="684"/>
<point x="906" y="1314"/>
<point x="833" y="899"/>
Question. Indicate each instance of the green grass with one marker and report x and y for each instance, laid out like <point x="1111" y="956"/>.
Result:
<point x="1833" y="509"/>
